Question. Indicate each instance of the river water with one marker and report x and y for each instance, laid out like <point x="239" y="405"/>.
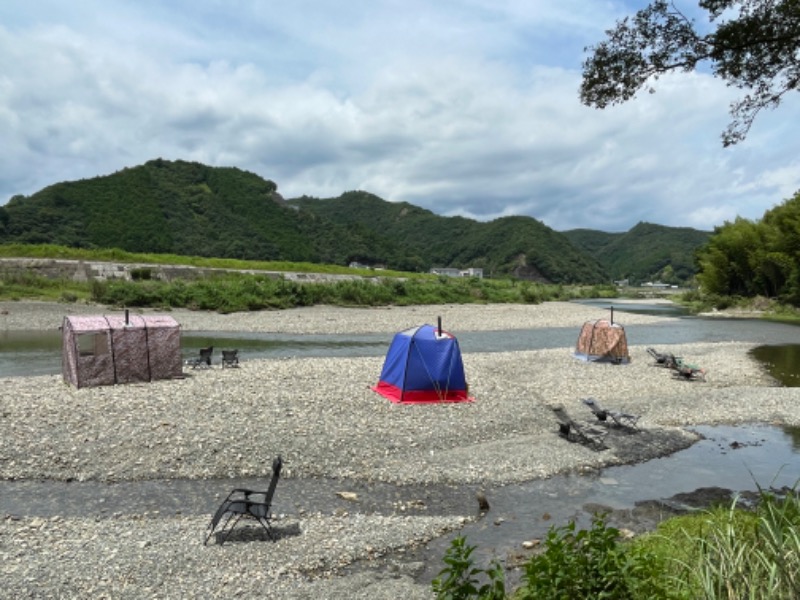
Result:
<point x="39" y="352"/>
<point x="727" y="458"/>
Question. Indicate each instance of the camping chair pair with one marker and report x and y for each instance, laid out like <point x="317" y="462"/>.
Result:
<point x="618" y="418"/>
<point x="204" y="360"/>
<point x="230" y="358"/>
<point x="248" y="504"/>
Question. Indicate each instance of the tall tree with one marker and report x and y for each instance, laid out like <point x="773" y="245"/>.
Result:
<point x="749" y="258"/>
<point x="753" y="45"/>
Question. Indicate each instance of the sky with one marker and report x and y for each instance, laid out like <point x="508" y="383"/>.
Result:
<point x="462" y="107"/>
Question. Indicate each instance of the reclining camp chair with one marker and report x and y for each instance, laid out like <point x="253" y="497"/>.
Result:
<point x="620" y="418"/>
<point x="204" y="360"/>
<point x="230" y="358"/>
<point x="571" y="431"/>
<point x="682" y="370"/>
<point x="248" y="504"/>
<point x="663" y="360"/>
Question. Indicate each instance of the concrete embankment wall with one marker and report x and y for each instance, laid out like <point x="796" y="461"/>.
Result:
<point x="84" y="270"/>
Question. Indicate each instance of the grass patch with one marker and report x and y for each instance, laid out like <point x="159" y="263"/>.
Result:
<point x="121" y="256"/>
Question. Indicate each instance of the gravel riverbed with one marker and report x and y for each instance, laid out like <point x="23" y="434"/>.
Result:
<point x="322" y="417"/>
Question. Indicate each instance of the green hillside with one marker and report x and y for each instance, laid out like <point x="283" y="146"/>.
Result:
<point x="647" y="252"/>
<point x="164" y="207"/>
<point x="591" y="240"/>
<point x="189" y="209"/>
<point x="520" y="246"/>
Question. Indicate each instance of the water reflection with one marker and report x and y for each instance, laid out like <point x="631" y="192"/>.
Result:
<point x="782" y="362"/>
<point x="657" y="309"/>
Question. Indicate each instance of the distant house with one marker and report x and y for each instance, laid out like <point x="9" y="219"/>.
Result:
<point x="446" y="271"/>
<point x="449" y="272"/>
<point x="656" y="284"/>
<point x="358" y="265"/>
<point x="472" y="272"/>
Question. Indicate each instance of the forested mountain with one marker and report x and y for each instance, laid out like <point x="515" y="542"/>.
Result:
<point x="521" y="246"/>
<point x="163" y="207"/>
<point x="187" y="208"/>
<point x="647" y="252"/>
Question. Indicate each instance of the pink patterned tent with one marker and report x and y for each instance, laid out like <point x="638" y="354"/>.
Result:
<point x="105" y="350"/>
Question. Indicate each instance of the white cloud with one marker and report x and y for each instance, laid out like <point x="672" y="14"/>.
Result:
<point x="465" y="108"/>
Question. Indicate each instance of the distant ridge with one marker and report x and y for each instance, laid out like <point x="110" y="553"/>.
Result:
<point x="645" y="253"/>
<point x="188" y="208"/>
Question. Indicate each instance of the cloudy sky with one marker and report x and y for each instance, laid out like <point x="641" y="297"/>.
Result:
<point x="464" y="107"/>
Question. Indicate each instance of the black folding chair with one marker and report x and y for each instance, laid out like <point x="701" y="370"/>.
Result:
<point x="682" y="370"/>
<point x="204" y="360"/>
<point x="230" y="358"/>
<point x="248" y="504"/>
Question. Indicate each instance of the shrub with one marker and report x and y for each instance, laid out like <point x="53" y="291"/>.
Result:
<point x="460" y="580"/>
<point x="591" y="563"/>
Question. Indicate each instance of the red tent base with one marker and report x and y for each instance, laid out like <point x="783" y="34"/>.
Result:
<point x="398" y="396"/>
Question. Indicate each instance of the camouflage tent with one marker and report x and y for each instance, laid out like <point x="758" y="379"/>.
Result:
<point x="602" y="340"/>
<point x="105" y="350"/>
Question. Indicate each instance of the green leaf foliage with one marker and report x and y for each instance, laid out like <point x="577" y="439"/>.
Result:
<point x="752" y="45"/>
<point x="591" y="563"/>
<point x="163" y="207"/>
<point x="461" y="580"/>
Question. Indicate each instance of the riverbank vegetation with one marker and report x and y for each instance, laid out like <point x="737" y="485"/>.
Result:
<point x="723" y="553"/>
<point x="240" y="285"/>
<point x="236" y="288"/>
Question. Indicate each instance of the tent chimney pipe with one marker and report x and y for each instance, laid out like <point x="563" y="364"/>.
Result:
<point x="440" y="325"/>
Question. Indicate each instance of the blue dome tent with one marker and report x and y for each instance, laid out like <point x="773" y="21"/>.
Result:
<point x="423" y="365"/>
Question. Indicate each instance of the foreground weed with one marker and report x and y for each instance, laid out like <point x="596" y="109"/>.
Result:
<point x="461" y="580"/>
<point x="591" y="564"/>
